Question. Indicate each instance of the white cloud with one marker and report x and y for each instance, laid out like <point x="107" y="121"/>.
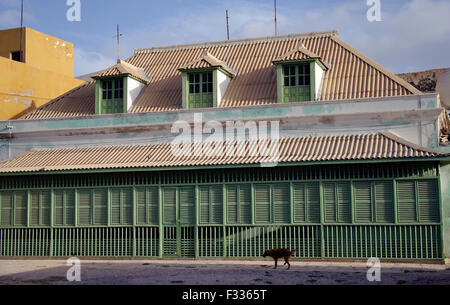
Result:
<point x="86" y="62"/>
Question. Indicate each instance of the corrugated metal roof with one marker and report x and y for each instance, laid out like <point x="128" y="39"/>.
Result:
<point x="329" y="148"/>
<point x="352" y="75"/>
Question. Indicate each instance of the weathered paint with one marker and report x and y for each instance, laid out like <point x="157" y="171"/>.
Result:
<point x="445" y="201"/>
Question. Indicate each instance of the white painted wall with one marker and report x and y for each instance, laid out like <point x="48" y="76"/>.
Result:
<point x="222" y="84"/>
<point x="319" y="78"/>
<point x="134" y="87"/>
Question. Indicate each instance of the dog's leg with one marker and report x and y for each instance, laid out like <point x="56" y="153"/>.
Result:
<point x="276" y="262"/>
<point x="286" y="261"/>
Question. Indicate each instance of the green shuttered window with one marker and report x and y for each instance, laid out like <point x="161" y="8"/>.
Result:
<point x="374" y="202"/>
<point x="93" y="207"/>
<point x="147" y="200"/>
<point x="14" y="208"/>
<point x="418" y="201"/>
<point x="64" y="207"/>
<point x="337" y="202"/>
<point x="187" y="205"/>
<point x="239" y="204"/>
<point x="40" y="208"/>
<point x="211" y="205"/>
<point x="122" y="206"/>
<point x="170" y="205"/>
<point x="272" y="203"/>
<point x="306" y="202"/>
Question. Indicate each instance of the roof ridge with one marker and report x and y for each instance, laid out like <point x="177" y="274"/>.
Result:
<point x="238" y="41"/>
<point x="397" y="138"/>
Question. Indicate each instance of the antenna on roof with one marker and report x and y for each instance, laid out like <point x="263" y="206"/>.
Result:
<point x="276" y="25"/>
<point x="21" y="32"/>
<point x="118" y="43"/>
<point x="228" y="27"/>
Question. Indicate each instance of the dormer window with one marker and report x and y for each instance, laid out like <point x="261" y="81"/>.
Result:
<point x="205" y="81"/>
<point x="118" y="87"/>
<point x="299" y="75"/>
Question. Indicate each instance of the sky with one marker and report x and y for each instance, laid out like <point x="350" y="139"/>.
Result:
<point x="413" y="35"/>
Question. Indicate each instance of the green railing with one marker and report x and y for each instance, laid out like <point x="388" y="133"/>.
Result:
<point x="310" y="241"/>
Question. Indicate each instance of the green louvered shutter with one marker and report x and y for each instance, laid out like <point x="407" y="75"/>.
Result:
<point x="21" y="203"/>
<point x="204" y="205"/>
<point x="344" y="202"/>
<point x="216" y="204"/>
<point x="281" y="207"/>
<point x="64" y="207"/>
<point x="384" y="201"/>
<point x="245" y="204"/>
<point x="147" y="200"/>
<point x="406" y="193"/>
<point x="329" y="197"/>
<point x="7" y="209"/>
<point x="85" y="207"/>
<point x="427" y="192"/>
<point x="122" y="206"/>
<point x="313" y="202"/>
<point x="100" y="207"/>
<point x="170" y="206"/>
<point x="115" y="206"/>
<point x="232" y="204"/>
<point x="40" y="208"/>
<point x="363" y="201"/>
<point x="299" y="202"/>
<point x="262" y="203"/>
<point x="187" y="205"/>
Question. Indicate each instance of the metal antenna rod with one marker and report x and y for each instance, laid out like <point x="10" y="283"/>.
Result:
<point x="228" y="27"/>
<point x="118" y="43"/>
<point x="21" y="32"/>
<point x="276" y="25"/>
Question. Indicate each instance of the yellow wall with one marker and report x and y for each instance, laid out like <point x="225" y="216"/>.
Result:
<point x="47" y="71"/>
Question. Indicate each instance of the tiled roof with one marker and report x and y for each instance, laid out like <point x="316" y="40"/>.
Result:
<point x="123" y="68"/>
<point x="329" y="148"/>
<point x="352" y="75"/>
<point x="207" y="61"/>
<point x="299" y="53"/>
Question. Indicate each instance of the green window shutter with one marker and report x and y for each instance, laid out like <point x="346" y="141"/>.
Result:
<point x="21" y="202"/>
<point x="170" y="206"/>
<point x="122" y="206"/>
<point x="64" y="207"/>
<point x="245" y="204"/>
<point x="216" y="204"/>
<point x="147" y="200"/>
<point x="427" y="193"/>
<point x="313" y="202"/>
<point x="262" y="203"/>
<point x="7" y="209"/>
<point x="363" y="201"/>
<point x="406" y="193"/>
<point x="299" y="202"/>
<point x="344" y="202"/>
<point x="204" y="205"/>
<point x="187" y="205"/>
<point x="329" y="197"/>
<point x="101" y="207"/>
<point x="40" y="208"/>
<point x="85" y="207"/>
<point x="384" y="201"/>
<point x="232" y="204"/>
<point x="281" y="207"/>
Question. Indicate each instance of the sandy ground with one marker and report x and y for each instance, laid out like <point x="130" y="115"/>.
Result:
<point x="218" y="272"/>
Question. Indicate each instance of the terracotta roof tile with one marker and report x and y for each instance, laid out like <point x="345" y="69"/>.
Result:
<point x="308" y="149"/>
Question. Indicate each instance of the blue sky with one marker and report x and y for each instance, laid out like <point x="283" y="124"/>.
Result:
<point x="413" y="34"/>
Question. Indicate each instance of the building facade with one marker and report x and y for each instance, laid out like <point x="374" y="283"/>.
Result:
<point x="345" y="161"/>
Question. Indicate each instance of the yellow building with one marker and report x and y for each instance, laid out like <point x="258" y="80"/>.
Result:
<point x="44" y="72"/>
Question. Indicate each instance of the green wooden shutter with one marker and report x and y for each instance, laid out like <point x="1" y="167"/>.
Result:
<point x="344" y="202"/>
<point x="384" y="202"/>
<point x="170" y="206"/>
<point x="64" y="207"/>
<point x="7" y="209"/>
<point x="406" y="198"/>
<point x="329" y="197"/>
<point x="262" y="203"/>
<point x="101" y="207"/>
<point x="363" y="201"/>
<point x="204" y="205"/>
<point x="313" y="202"/>
<point x="122" y="206"/>
<point x="187" y="205"/>
<point x="147" y="200"/>
<point x="85" y="207"/>
<point x="232" y="204"/>
<point x="40" y="208"/>
<point x="216" y="204"/>
<point x="245" y="204"/>
<point x="21" y="203"/>
<point x="299" y="202"/>
<point x="281" y="207"/>
<point x="427" y="193"/>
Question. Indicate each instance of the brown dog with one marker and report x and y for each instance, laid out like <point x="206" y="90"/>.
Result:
<point x="280" y="253"/>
